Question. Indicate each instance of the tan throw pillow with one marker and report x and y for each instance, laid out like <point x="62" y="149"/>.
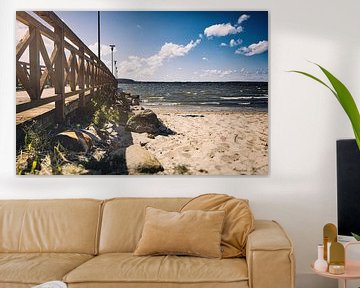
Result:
<point x="196" y="233"/>
<point x="239" y="220"/>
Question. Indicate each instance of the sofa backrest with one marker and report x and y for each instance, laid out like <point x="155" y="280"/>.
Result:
<point x="123" y="220"/>
<point x="64" y="226"/>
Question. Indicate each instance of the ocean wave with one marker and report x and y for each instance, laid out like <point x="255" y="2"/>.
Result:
<point x="242" y="97"/>
<point x="209" y="103"/>
<point x="163" y="104"/>
<point x="156" y="97"/>
<point x="235" y="98"/>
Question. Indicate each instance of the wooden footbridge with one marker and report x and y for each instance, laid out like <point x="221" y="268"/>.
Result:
<point x="57" y="75"/>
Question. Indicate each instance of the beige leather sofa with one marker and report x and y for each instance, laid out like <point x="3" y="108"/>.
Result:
<point x="89" y="243"/>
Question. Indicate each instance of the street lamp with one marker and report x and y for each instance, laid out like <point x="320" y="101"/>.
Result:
<point x="99" y="35"/>
<point x="112" y="57"/>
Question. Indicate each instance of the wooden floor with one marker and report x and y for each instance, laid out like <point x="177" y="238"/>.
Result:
<point x="23" y="97"/>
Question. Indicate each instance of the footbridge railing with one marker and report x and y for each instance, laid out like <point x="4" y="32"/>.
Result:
<point x="52" y="58"/>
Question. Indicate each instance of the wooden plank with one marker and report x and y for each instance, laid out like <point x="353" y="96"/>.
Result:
<point x="70" y="47"/>
<point x="36" y="103"/>
<point x="44" y="54"/>
<point x="87" y="73"/>
<point x="59" y="76"/>
<point x="28" y="20"/>
<point x="72" y="61"/>
<point x="49" y="71"/>
<point x="66" y="67"/>
<point x="24" y="80"/>
<point x="23" y="44"/>
<point x="81" y="77"/>
<point x="72" y="93"/>
<point x="34" y="58"/>
<point x="92" y="73"/>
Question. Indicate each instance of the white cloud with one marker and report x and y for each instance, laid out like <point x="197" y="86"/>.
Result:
<point x="140" y="67"/>
<point x="234" y="43"/>
<point x="200" y="36"/>
<point x="169" y="50"/>
<point x="217" y="73"/>
<point x="139" y="26"/>
<point x="253" y="49"/>
<point x="205" y="59"/>
<point x="243" y="18"/>
<point x="219" y="30"/>
<point x="104" y="49"/>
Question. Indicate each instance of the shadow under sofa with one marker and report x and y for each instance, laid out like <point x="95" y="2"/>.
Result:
<point x="90" y="243"/>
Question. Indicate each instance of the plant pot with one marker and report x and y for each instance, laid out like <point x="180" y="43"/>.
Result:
<point x="348" y="187"/>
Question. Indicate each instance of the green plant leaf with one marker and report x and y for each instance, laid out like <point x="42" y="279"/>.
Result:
<point x="356" y="236"/>
<point x="344" y="97"/>
<point x="346" y="100"/>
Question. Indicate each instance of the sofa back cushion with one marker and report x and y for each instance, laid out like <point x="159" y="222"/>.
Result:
<point x="123" y="220"/>
<point x="64" y="226"/>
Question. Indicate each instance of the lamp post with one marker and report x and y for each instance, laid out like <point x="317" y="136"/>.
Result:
<point x="112" y="58"/>
<point x="99" y="34"/>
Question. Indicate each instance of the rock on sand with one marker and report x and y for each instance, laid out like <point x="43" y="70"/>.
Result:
<point x="140" y="161"/>
<point x="77" y="141"/>
<point x="147" y="122"/>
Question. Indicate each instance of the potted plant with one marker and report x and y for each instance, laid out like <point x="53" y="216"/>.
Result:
<point x="347" y="102"/>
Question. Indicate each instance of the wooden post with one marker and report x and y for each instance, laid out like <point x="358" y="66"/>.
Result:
<point x="92" y="73"/>
<point x="34" y="58"/>
<point x="59" y="75"/>
<point x="81" y="77"/>
<point x="97" y="79"/>
<point x="72" y="78"/>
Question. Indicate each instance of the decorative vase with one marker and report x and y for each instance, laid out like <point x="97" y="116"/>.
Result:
<point x="320" y="264"/>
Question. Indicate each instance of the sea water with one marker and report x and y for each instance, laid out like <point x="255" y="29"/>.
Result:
<point x="246" y="95"/>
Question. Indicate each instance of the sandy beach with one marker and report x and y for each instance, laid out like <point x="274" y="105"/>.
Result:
<point x="210" y="142"/>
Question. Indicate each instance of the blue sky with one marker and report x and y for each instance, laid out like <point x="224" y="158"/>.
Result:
<point x="179" y="46"/>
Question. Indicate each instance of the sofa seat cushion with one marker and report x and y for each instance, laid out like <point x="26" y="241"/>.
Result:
<point x="36" y="268"/>
<point x="127" y="268"/>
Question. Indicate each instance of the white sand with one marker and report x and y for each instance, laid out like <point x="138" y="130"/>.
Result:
<point x="211" y="142"/>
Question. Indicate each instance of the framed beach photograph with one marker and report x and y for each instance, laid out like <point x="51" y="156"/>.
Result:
<point x="142" y="93"/>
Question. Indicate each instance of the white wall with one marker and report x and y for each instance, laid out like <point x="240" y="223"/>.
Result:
<point x="305" y="120"/>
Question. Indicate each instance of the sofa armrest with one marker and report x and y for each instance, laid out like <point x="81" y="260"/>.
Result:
<point x="269" y="255"/>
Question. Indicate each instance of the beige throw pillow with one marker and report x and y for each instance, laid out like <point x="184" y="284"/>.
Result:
<point x="239" y="220"/>
<point x="196" y="233"/>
